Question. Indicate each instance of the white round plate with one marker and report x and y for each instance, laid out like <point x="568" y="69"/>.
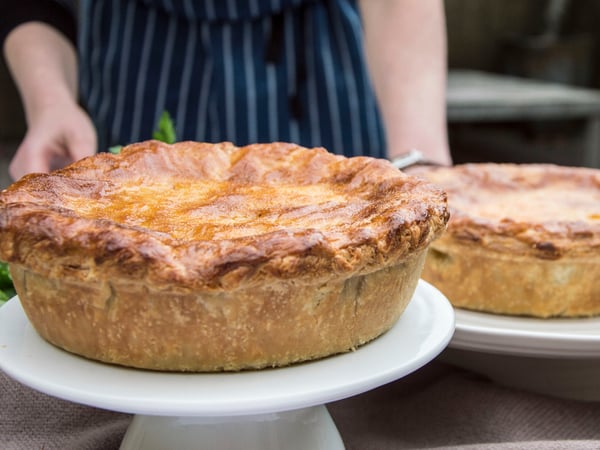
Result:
<point x="490" y="333"/>
<point x="421" y="333"/>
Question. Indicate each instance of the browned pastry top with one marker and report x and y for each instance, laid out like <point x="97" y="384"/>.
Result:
<point x="217" y="216"/>
<point x="543" y="210"/>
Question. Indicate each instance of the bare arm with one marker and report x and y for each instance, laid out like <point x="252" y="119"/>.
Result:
<point x="405" y="44"/>
<point x="43" y="64"/>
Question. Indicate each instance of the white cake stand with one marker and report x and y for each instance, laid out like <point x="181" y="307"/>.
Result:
<point x="266" y="409"/>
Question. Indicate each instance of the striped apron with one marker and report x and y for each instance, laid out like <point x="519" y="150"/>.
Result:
<point x="229" y="70"/>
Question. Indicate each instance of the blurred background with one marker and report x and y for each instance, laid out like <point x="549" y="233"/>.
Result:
<point x="550" y="113"/>
<point x="524" y="84"/>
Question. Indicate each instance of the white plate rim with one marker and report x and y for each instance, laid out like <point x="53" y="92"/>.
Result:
<point x="427" y="323"/>
<point x="562" y="338"/>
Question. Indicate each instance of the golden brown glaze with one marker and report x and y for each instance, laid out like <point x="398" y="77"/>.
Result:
<point x="522" y="239"/>
<point x="221" y="231"/>
<point x="217" y="216"/>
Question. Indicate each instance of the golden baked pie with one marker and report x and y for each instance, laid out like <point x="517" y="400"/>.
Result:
<point x="209" y="257"/>
<point x="523" y="239"/>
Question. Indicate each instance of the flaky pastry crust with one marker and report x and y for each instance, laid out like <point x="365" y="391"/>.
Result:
<point x="198" y="256"/>
<point x="523" y="239"/>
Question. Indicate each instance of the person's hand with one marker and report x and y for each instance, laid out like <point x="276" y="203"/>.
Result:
<point x="43" y="63"/>
<point x="56" y="136"/>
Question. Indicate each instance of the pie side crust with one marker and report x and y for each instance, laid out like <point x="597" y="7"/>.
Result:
<point x="478" y="279"/>
<point x="254" y="328"/>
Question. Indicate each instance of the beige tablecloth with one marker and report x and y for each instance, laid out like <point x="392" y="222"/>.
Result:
<point x="439" y="406"/>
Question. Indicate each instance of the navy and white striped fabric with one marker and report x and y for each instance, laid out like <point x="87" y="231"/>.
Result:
<point x="243" y="71"/>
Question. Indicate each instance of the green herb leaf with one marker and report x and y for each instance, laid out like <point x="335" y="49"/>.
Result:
<point x="165" y="130"/>
<point x="5" y="278"/>
<point x="7" y="290"/>
<point x="6" y="295"/>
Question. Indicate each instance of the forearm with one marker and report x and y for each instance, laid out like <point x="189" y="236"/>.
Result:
<point x="405" y="44"/>
<point x="43" y="63"/>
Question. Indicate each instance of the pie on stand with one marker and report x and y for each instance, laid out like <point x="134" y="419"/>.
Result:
<point x="223" y="295"/>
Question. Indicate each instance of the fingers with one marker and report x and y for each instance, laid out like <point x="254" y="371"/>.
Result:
<point x="80" y="140"/>
<point x="56" y="139"/>
<point x="27" y="160"/>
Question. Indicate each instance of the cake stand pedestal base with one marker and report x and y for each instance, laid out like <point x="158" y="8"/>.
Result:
<point x="307" y="428"/>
